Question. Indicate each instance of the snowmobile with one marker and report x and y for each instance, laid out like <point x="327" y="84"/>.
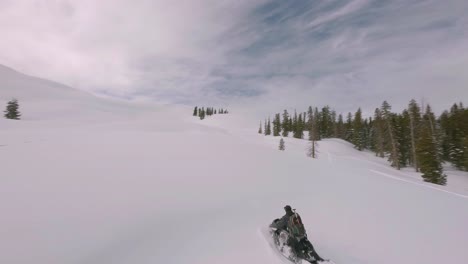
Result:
<point x="303" y="251"/>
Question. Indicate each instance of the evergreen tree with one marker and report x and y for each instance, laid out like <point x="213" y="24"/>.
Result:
<point x="326" y="124"/>
<point x="260" y="129"/>
<point x="310" y="113"/>
<point x="436" y="133"/>
<point x="334" y="126"/>
<point x="464" y="130"/>
<point x="299" y="133"/>
<point x="427" y="155"/>
<point x="415" y="122"/>
<point x="340" y="127"/>
<point x="291" y="125"/>
<point x="304" y="122"/>
<point x="358" y="128"/>
<point x="268" y="131"/>
<point x="281" y="145"/>
<point x="294" y="126"/>
<point x="444" y="121"/>
<point x="323" y="122"/>
<point x="378" y="133"/>
<point x="349" y="127"/>
<point x="276" y="125"/>
<point x="456" y="153"/>
<point x="313" y="133"/>
<point x="316" y="124"/>
<point x="195" y="111"/>
<point x="465" y="150"/>
<point x="285" y="124"/>
<point x="12" y="110"/>
<point x="402" y="131"/>
<point x="454" y="127"/>
<point x="202" y="113"/>
<point x="391" y="144"/>
<point x="368" y="139"/>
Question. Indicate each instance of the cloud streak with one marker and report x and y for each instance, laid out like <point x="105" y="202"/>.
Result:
<point x="347" y="9"/>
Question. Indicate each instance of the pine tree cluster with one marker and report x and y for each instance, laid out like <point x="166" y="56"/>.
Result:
<point x="454" y="134"/>
<point x="12" y="110"/>
<point x="412" y="138"/>
<point x="209" y="111"/>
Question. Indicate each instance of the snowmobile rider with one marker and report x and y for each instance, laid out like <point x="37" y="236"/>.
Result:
<point x="282" y="224"/>
<point x="297" y="243"/>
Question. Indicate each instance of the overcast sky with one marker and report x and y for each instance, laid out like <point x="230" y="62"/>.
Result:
<point x="271" y="53"/>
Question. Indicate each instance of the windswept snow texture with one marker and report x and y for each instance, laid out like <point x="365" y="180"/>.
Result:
<point x="121" y="183"/>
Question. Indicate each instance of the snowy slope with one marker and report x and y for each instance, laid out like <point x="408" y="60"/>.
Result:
<point x="42" y="99"/>
<point x="24" y="87"/>
<point x="160" y="186"/>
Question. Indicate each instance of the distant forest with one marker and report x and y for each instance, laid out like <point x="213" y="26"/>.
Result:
<point x="413" y="138"/>
<point x="201" y="112"/>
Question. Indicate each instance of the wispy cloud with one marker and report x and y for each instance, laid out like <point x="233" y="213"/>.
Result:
<point x="268" y="54"/>
<point x="347" y="9"/>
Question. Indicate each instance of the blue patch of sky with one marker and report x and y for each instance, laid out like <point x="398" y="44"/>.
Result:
<point x="283" y="24"/>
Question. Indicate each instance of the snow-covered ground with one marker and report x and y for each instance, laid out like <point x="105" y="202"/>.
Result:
<point x="114" y="182"/>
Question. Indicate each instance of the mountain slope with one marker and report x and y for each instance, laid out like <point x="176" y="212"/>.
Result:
<point x="29" y="88"/>
<point x="42" y="99"/>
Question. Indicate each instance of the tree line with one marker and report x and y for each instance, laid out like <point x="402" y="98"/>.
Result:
<point x="209" y="111"/>
<point x="413" y="138"/>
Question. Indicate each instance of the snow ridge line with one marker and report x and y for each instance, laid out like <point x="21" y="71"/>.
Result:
<point x="417" y="183"/>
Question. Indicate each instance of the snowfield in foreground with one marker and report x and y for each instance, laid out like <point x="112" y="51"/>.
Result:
<point x="160" y="186"/>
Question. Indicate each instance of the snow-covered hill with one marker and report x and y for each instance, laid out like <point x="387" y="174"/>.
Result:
<point x="24" y="87"/>
<point x="159" y="186"/>
<point x="42" y="99"/>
